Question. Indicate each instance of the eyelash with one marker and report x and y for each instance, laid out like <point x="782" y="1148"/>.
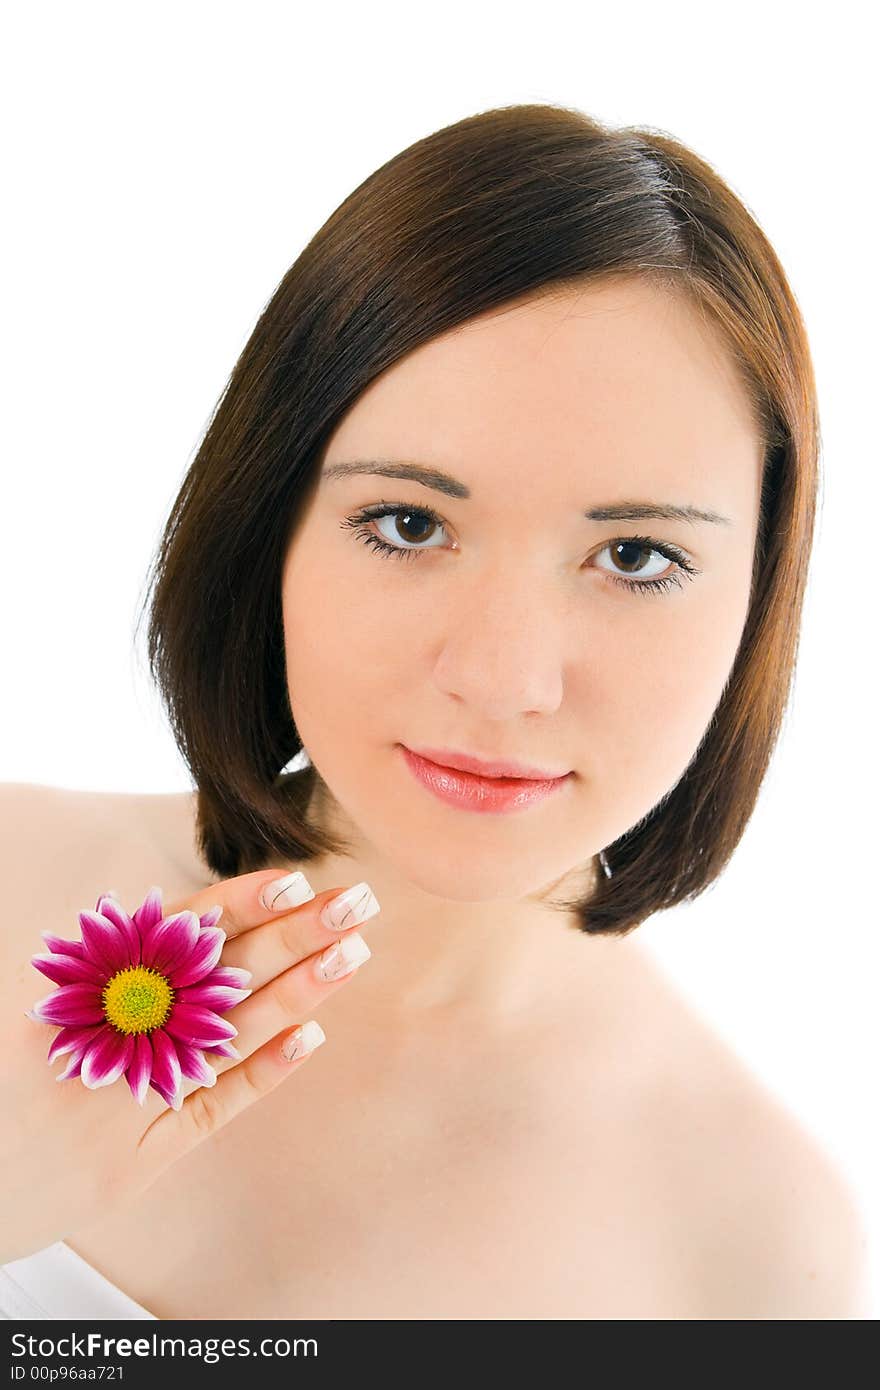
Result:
<point x="357" y="523"/>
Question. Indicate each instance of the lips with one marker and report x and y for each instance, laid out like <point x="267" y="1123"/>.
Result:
<point x="468" y="792"/>
<point x="465" y="762"/>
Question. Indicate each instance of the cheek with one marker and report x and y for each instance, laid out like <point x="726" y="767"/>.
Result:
<point x="657" y="695"/>
<point x="345" y="656"/>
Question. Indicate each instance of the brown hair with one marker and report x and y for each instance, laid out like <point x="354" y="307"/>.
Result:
<point x="516" y="200"/>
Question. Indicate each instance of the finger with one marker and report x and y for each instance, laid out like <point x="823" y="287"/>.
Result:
<point x="295" y="992"/>
<point x="209" y="1108"/>
<point x="268" y="950"/>
<point x="241" y="900"/>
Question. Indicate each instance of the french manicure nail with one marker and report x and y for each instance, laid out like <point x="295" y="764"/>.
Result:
<point x="343" y="956"/>
<point x="285" y="893"/>
<point x="303" y="1039"/>
<point x="350" y="908"/>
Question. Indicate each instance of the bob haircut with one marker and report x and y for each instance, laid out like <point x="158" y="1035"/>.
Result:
<point x="515" y="201"/>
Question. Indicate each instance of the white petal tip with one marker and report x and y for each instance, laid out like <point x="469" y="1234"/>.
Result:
<point x="104" y="1081"/>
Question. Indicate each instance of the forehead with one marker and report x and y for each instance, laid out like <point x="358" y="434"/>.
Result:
<point x="619" y="380"/>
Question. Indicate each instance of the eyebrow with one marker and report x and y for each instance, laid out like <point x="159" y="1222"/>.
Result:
<point x="453" y="487"/>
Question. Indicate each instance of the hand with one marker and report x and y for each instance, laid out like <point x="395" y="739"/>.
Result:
<point x="70" y="1153"/>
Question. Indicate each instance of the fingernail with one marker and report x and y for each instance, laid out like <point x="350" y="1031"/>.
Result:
<point x="350" y="908"/>
<point x="303" y="1039"/>
<point x="343" y="956"/>
<point x="284" y="893"/>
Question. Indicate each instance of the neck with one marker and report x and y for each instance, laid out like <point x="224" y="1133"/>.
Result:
<point x="487" y="965"/>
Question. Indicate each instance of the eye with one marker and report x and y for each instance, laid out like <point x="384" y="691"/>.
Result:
<point x="406" y="534"/>
<point x="629" y="553"/>
<point x="626" y="551"/>
<point x="410" y="527"/>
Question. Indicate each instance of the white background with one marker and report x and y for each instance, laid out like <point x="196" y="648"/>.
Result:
<point x="165" y="164"/>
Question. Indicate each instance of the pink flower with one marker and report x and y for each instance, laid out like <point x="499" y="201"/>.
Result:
<point x="139" y="996"/>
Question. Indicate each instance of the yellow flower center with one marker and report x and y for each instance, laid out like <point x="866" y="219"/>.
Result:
<point x="137" y="1000"/>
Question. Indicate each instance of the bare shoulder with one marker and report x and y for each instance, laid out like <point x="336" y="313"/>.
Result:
<point x="62" y="847"/>
<point x="791" y="1242"/>
<point x="774" y="1229"/>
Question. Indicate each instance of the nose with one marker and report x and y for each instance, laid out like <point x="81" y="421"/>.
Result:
<point x="503" y="647"/>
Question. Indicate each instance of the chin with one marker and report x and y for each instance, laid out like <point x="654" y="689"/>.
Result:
<point x="476" y="873"/>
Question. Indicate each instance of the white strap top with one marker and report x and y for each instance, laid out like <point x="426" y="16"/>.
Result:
<point x="58" y="1283"/>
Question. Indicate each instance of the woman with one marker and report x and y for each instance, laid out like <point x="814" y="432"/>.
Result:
<point x="519" y="466"/>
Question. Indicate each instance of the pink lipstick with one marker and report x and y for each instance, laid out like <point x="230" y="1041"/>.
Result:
<point x="469" y="791"/>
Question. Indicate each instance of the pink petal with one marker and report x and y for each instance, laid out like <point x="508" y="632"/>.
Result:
<point x="193" y="1064"/>
<point x="201" y="959"/>
<point x="106" y="1058"/>
<point x="140" y="1068"/>
<point x="108" y="907"/>
<point x="198" y="1026"/>
<point x="74" y="1040"/>
<point x="170" y="943"/>
<point x="211" y="917"/>
<point x="73" y="1068"/>
<point x="78" y="1052"/>
<point x="103" y="942"/>
<point x="58" y="943"/>
<point x="150" y="912"/>
<point x="210" y="996"/>
<point x="166" y="1078"/>
<point x="69" y="1006"/>
<point x="223" y="1049"/>
<point x="68" y="970"/>
<point x="232" y="975"/>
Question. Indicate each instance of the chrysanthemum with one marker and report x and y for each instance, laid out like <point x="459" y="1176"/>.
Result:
<point x="137" y="996"/>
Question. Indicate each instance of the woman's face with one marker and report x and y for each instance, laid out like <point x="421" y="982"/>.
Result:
<point x="507" y="632"/>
